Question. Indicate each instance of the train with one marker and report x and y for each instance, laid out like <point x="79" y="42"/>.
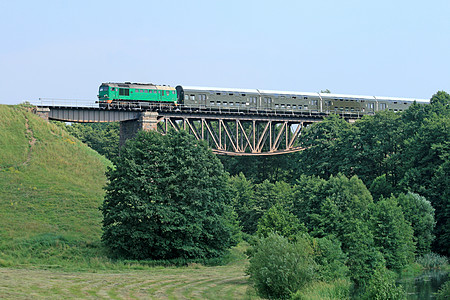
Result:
<point x="129" y="94"/>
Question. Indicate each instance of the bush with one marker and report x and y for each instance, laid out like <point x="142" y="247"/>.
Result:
<point x="279" y="268"/>
<point x="432" y="261"/>
<point x="330" y="259"/>
<point x="444" y="292"/>
<point x="381" y="286"/>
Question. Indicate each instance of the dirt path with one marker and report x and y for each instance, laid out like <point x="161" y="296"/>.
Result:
<point x="31" y="141"/>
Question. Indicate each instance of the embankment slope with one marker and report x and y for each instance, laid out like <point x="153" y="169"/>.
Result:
<point x="50" y="189"/>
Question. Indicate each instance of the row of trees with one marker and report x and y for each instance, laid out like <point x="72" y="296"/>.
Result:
<point x="392" y="153"/>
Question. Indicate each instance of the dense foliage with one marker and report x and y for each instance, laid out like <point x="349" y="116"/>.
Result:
<point x="102" y="137"/>
<point x="279" y="268"/>
<point x="167" y="198"/>
<point x="392" y="153"/>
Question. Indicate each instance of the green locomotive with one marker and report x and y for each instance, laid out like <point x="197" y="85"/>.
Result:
<point x="135" y="93"/>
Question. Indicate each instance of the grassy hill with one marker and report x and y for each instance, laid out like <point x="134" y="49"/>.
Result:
<point x="50" y="191"/>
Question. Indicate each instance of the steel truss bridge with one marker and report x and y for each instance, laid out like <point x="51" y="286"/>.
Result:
<point x="227" y="132"/>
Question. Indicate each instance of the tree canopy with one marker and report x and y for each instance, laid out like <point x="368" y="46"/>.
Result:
<point x="167" y="198"/>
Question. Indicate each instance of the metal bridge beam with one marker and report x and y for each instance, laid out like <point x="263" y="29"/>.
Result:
<point x="228" y="133"/>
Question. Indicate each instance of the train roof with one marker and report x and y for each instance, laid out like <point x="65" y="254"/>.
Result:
<point x="293" y="93"/>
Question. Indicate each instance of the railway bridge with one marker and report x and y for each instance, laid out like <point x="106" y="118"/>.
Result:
<point x="228" y="132"/>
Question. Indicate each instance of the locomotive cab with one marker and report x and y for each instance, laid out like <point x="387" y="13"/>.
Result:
<point x="104" y="95"/>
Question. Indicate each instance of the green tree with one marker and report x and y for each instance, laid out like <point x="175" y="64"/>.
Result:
<point x="323" y="142"/>
<point x="420" y="214"/>
<point x="381" y="286"/>
<point x="330" y="259"/>
<point x="381" y="188"/>
<point x="281" y="221"/>
<point x="167" y="198"/>
<point x="242" y="197"/>
<point x="373" y="148"/>
<point x="440" y="195"/>
<point x="393" y="235"/>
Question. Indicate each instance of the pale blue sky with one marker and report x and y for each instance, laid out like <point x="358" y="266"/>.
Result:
<point x="65" y="49"/>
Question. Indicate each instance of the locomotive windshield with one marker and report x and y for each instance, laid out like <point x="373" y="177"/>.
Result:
<point x="103" y="88"/>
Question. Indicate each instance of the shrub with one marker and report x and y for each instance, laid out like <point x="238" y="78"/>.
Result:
<point x="381" y="286"/>
<point x="279" y="268"/>
<point x="330" y="259"/>
<point x="444" y="292"/>
<point x="432" y="261"/>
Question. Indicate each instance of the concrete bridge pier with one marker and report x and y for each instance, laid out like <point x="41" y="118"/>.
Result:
<point x="147" y="120"/>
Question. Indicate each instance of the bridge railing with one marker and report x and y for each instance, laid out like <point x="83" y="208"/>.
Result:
<point x="65" y="102"/>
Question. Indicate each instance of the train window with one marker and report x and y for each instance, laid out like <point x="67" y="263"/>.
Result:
<point x="305" y="97"/>
<point x="314" y="102"/>
<point x="192" y="97"/>
<point x="282" y="105"/>
<point x="305" y="107"/>
<point x="243" y="95"/>
<point x="225" y="103"/>
<point x="405" y="103"/>
<point x="124" y="92"/>
<point x="218" y="94"/>
<point x="231" y="103"/>
<point x="276" y="105"/>
<point x="382" y="105"/>
<point x="136" y="90"/>
<point x="288" y="106"/>
<point x="294" y="106"/>
<point x="293" y="97"/>
<point x="167" y="93"/>
<point x="218" y="102"/>
<point x="231" y="94"/>
<point x="395" y="102"/>
<point x="212" y="102"/>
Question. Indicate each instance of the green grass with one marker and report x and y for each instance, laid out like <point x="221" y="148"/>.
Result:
<point x="50" y="190"/>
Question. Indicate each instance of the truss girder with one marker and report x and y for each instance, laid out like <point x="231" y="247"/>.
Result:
<point x="240" y="136"/>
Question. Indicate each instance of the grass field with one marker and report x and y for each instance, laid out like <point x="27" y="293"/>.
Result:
<point x="193" y="282"/>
